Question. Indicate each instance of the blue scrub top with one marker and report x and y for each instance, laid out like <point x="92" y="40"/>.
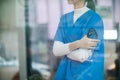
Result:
<point x="68" y="32"/>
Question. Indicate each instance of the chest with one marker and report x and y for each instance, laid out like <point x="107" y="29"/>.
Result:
<point x="74" y="31"/>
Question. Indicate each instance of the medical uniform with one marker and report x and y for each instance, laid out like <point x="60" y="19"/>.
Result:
<point x="67" y="32"/>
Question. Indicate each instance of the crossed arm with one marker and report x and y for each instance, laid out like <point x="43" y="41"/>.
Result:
<point x="85" y="44"/>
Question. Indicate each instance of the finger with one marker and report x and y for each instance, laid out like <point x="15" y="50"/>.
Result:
<point x="92" y="47"/>
<point x="82" y="60"/>
<point x="94" y="40"/>
<point x="90" y="60"/>
<point x="87" y="55"/>
<point x="85" y="36"/>
<point x="92" y="44"/>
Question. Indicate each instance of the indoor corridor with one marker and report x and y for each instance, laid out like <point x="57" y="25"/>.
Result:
<point x="27" y="30"/>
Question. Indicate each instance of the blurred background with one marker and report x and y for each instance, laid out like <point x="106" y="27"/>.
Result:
<point x="27" y="29"/>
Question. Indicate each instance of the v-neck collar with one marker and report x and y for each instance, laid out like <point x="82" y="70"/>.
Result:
<point x="72" y="17"/>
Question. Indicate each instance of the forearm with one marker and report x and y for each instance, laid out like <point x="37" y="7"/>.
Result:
<point x="80" y="55"/>
<point x="60" y="49"/>
<point x="73" y="45"/>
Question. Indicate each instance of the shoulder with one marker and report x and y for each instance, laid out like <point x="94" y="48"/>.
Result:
<point x="95" y="15"/>
<point x="95" y="19"/>
<point x="69" y="14"/>
<point x="66" y="17"/>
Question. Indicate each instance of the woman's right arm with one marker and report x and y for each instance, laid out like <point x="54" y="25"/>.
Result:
<point x="61" y="49"/>
<point x="84" y="43"/>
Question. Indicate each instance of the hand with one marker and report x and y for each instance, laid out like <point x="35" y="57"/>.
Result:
<point x="84" y="43"/>
<point x="87" y="43"/>
<point x="80" y="55"/>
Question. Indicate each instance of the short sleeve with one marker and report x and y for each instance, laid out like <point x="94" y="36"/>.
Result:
<point x="100" y="33"/>
<point x="59" y="36"/>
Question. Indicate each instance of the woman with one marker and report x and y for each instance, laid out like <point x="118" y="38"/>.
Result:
<point x="83" y="55"/>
